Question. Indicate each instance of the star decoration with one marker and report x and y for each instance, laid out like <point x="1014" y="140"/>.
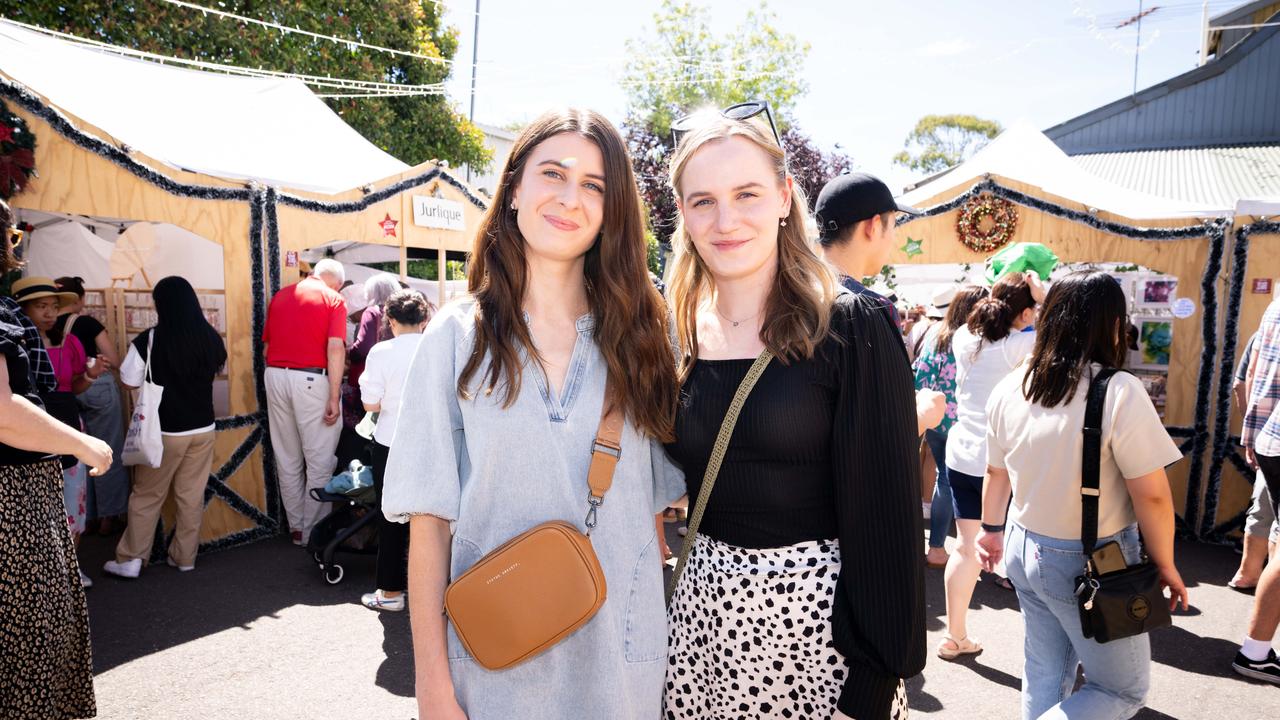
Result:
<point x="388" y="226"/>
<point x="913" y="248"/>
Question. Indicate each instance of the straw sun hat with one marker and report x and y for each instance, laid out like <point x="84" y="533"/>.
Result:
<point x="35" y="288"/>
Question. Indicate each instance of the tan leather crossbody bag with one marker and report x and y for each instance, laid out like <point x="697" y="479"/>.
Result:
<point x="538" y="587"/>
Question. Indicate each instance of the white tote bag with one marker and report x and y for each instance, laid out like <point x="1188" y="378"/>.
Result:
<point x="142" y="443"/>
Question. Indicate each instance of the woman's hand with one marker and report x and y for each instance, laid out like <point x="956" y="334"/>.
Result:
<point x="990" y="549"/>
<point x="99" y="368"/>
<point x="1036" y="286"/>
<point x="1170" y="578"/>
<point x="94" y="453"/>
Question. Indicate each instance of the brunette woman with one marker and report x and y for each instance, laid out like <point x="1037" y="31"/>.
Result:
<point x="803" y="591"/>
<point x="1034" y="448"/>
<point x="987" y="348"/>
<point x="500" y="409"/>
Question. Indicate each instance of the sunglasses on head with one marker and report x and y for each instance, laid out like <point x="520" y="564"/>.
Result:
<point x="741" y="111"/>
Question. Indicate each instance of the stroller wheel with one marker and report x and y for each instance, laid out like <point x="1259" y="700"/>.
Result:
<point x="316" y="556"/>
<point x="333" y="574"/>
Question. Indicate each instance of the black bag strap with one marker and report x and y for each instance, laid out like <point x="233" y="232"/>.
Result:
<point x="1091" y="465"/>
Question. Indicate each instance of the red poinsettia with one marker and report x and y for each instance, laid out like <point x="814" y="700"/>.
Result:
<point x="17" y="154"/>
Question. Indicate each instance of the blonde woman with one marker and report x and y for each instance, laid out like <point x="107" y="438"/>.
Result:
<point x="803" y="592"/>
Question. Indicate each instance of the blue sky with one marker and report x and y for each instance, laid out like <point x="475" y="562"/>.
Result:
<point x="873" y="69"/>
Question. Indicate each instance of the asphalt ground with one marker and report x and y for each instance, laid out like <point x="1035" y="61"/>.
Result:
<point x="255" y="632"/>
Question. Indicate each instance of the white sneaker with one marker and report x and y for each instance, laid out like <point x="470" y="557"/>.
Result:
<point x="128" y="569"/>
<point x="85" y="582"/>
<point x="377" y="601"/>
<point x="181" y="568"/>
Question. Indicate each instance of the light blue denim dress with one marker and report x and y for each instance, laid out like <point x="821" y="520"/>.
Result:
<point x="495" y="473"/>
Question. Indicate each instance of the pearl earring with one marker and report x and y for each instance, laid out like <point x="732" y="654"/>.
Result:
<point x="783" y="223"/>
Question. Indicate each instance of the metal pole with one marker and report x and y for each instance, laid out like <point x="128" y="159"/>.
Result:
<point x="1204" y="32"/>
<point x="1137" y="50"/>
<point x="475" y="51"/>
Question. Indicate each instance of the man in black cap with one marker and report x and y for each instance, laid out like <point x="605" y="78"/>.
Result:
<point x="856" y="217"/>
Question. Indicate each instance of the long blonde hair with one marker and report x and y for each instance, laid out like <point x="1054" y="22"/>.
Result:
<point x="797" y="313"/>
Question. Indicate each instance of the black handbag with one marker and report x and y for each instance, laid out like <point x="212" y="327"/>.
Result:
<point x="1122" y="603"/>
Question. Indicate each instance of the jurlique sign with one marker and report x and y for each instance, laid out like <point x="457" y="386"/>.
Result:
<point x="436" y="212"/>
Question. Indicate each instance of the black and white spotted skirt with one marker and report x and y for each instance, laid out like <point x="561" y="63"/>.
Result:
<point x="750" y="635"/>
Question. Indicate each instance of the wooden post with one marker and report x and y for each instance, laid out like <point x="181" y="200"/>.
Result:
<point x="404" y="259"/>
<point x="440" y="271"/>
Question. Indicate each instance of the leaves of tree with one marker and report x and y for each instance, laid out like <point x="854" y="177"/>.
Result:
<point x="941" y="141"/>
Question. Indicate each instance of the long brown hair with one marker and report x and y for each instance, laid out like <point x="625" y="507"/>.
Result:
<point x="630" y="316"/>
<point x="958" y="314"/>
<point x="993" y="317"/>
<point x="1084" y="321"/>
<point x="797" y="313"/>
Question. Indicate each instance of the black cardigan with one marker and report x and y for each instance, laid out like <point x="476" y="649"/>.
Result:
<point x="827" y="447"/>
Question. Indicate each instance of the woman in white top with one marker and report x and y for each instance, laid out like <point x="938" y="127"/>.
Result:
<point x="381" y="387"/>
<point x="1035" y="444"/>
<point x="987" y="349"/>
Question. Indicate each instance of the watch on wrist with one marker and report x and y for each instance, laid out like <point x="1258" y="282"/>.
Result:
<point x="993" y="528"/>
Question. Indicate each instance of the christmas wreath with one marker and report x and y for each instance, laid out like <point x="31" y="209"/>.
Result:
<point x="1002" y="215"/>
<point x="17" y="154"/>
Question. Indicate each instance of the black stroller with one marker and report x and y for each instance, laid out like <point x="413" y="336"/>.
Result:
<point x="350" y="528"/>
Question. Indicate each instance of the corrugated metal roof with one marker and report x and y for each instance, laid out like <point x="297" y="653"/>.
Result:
<point x="1206" y="175"/>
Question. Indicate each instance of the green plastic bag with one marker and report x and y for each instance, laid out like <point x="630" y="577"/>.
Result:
<point x="1022" y="257"/>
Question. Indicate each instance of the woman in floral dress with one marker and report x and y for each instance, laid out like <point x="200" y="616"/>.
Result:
<point x="935" y="368"/>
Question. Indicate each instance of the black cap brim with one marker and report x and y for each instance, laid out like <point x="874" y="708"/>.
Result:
<point x="907" y="209"/>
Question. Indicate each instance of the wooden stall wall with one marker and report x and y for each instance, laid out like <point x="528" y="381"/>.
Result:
<point x="75" y="181"/>
<point x="1076" y="242"/>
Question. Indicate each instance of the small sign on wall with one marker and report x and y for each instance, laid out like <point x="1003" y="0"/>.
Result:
<point x="433" y="212"/>
<point x="291" y="258"/>
<point x="1262" y="286"/>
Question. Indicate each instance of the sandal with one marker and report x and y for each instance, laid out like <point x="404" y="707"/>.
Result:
<point x="963" y="646"/>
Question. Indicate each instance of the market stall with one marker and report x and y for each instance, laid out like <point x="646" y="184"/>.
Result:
<point x="1168" y="254"/>
<point x="243" y="165"/>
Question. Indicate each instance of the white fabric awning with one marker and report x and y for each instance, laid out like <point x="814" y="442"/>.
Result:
<point x="1025" y="154"/>
<point x="272" y="130"/>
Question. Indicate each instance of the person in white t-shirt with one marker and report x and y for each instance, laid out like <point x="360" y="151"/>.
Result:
<point x="381" y="386"/>
<point x="1035" y="445"/>
<point x="987" y="349"/>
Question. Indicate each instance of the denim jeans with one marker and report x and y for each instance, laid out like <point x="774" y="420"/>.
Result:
<point x="940" y="511"/>
<point x="1117" y="674"/>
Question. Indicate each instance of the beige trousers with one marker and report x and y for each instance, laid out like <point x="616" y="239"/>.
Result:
<point x="302" y="443"/>
<point x="184" y="467"/>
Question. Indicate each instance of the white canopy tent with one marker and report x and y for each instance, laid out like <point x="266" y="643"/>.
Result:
<point x="66" y="245"/>
<point x="267" y="129"/>
<point x="1026" y="155"/>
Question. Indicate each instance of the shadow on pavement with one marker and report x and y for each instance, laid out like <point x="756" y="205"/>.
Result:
<point x="395" y="674"/>
<point x="163" y="608"/>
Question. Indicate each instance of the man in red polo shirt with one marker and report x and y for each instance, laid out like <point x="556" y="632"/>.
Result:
<point x="304" y="335"/>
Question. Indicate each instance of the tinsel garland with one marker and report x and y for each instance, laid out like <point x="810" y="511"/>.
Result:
<point x="1225" y="447"/>
<point x="1003" y="216"/>
<point x="273" y="258"/>
<point x="1215" y="230"/>
<point x="377" y="196"/>
<point x="235" y="422"/>
<point x="257" y="217"/>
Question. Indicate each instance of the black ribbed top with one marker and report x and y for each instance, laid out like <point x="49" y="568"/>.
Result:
<point x="826" y="448"/>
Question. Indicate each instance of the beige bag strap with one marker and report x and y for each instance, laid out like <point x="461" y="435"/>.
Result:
<point x="606" y="451"/>
<point x="713" y="463"/>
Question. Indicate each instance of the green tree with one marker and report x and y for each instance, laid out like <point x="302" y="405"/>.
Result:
<point x="414" y="129"/>
<point x="941" y="141"/>
<point x="683" y="66"/>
